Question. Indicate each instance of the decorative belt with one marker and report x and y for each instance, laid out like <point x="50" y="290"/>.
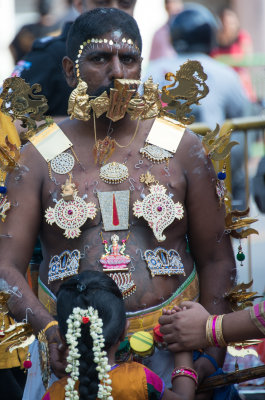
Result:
<point x="143" y="320"/>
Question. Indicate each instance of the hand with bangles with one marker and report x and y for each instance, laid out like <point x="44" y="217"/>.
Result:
<point x="184" y="327"/>
<point x="57" y="349"/>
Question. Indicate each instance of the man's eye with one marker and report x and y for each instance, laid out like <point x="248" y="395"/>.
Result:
<point x="125" y="4"/>
<point x="127" y="59"/>
<point x="98" y="59"/>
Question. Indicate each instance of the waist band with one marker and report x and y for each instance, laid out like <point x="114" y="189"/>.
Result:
<point x="145" y="320"/>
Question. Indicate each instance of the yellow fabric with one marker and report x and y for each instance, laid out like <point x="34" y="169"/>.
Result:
<point x="147" y="322"/>
<point x="7" y="128"/>
<point x="14" y="359"/>
<point x="46" y="300"/>
<point x="128" y="383"/>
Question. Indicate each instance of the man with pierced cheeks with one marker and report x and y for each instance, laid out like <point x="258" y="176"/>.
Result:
<point x="190" y="181"/>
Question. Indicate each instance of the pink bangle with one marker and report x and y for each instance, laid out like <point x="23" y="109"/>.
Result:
<point x="184" y="371"/>
<point x="214" y="331"/>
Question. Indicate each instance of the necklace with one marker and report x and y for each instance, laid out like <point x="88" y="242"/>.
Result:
<point x="103" y="149"/>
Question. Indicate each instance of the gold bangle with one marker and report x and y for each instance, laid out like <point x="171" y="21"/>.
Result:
<point x="219" y="331"/>
<point x="209" y="332"/>
<point x="49" y="325"/>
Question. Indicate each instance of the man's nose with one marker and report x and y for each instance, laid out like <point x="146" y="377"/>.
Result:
<point x="116" y="68"/>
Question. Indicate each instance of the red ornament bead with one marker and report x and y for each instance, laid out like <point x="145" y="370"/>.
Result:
<point x="85" y="320"/>
<point x="27" y="364"/>
<point x="70" y="212"/>
<point x="159" y="208"/>
<point x="158" y="336"/>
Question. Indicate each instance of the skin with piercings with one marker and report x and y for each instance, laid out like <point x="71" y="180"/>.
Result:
<point x="190" y="179"/>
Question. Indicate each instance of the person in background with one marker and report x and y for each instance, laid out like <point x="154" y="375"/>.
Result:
<point x="237" y="43"/>
<point x="46" y="25"/>
<point x="43" y="64"/>
<point x="93" y="298"/>
<point x="161" y="43"/>
<point x="193" y="35"/>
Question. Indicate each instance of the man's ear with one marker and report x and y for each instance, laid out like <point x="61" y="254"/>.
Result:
<point x="69" y="71"/>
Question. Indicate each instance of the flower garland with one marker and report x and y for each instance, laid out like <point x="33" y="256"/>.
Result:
<point x="74" y="322"/>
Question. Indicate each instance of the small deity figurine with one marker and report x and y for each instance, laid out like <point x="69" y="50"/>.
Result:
<point x="149" y="105"/>
<point x="115" y="264"/>
<point x="78" y="104"/>
<point x="68" y="190"/>
<point x="114" y="259"/>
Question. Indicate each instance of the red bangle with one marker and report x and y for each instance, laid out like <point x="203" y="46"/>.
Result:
<point x="185" y="371"/>
<point x="214" y="331"/>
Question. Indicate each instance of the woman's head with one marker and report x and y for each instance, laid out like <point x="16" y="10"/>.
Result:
<point x="92" y="289"/>
<point x="98" y="290"/>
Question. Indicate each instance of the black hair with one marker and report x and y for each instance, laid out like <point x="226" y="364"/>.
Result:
<point x="96" y="289"/>
<point x="194" y="30"/>
<point x="96" y="23"/>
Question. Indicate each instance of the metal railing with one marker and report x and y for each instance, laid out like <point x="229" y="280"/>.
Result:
<point x="246" y="126"/>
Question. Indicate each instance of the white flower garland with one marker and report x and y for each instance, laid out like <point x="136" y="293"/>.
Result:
<point x="74" y="322"/>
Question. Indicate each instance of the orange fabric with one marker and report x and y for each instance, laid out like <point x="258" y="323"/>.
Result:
<point x="128" y="383"/>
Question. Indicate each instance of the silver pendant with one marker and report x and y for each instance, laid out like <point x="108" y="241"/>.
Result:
<point x="114" y="173"/>
<point x="63" y="163"/>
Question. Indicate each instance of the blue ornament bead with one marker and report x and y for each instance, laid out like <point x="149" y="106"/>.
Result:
<point x="3" y="189"/>
<point x="221" y="175"/>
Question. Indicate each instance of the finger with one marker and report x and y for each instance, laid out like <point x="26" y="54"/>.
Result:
<point x="177" y="308"/>
<point x="187" y="304"/>
<point x="165" y="319"/>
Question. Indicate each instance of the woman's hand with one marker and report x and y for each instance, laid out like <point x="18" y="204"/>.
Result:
<point x="184" y="327"/>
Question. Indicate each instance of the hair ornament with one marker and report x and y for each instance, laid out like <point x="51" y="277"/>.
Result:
<point x="100" y="356"/>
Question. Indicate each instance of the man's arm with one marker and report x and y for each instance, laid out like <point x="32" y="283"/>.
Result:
<point x="18" y="237"/>
<point x="210" y="246"/>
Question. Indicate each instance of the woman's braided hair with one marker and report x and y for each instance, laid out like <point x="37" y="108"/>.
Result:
<point x="96" y="289"/>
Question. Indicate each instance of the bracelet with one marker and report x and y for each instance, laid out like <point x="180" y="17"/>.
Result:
<point x="219" y="331"/>
<point x="185" y="371"/>
<point x="49" y="325"/>
<point x="214" y="331"/>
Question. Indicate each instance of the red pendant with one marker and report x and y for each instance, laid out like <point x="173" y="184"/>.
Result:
<point x="115" y="216"/>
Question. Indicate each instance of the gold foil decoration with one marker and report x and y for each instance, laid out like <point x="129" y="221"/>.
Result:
<point x="148" y="178"/>
<point x="51" y="142"/>
<point x="237" y="220"/>
<point x="149" y="105"/>
<point x="22" y="102"/>
<point x="242" y="349"/>
<point x="239" y="298"/>
<point x="188" y="87"/>
<point x="217" y="144"/>
<point x="18" y="335"/>
<point x="69" y="190"/>
<point x="120" y="97"/>
<point x="78" y="103"/>
<point x="100" y="104"/>
<point x="9" y="156"/>
<point x="166" y="134"/>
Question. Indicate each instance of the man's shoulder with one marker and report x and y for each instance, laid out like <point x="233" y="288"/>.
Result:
<point x="51" y="43"/>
